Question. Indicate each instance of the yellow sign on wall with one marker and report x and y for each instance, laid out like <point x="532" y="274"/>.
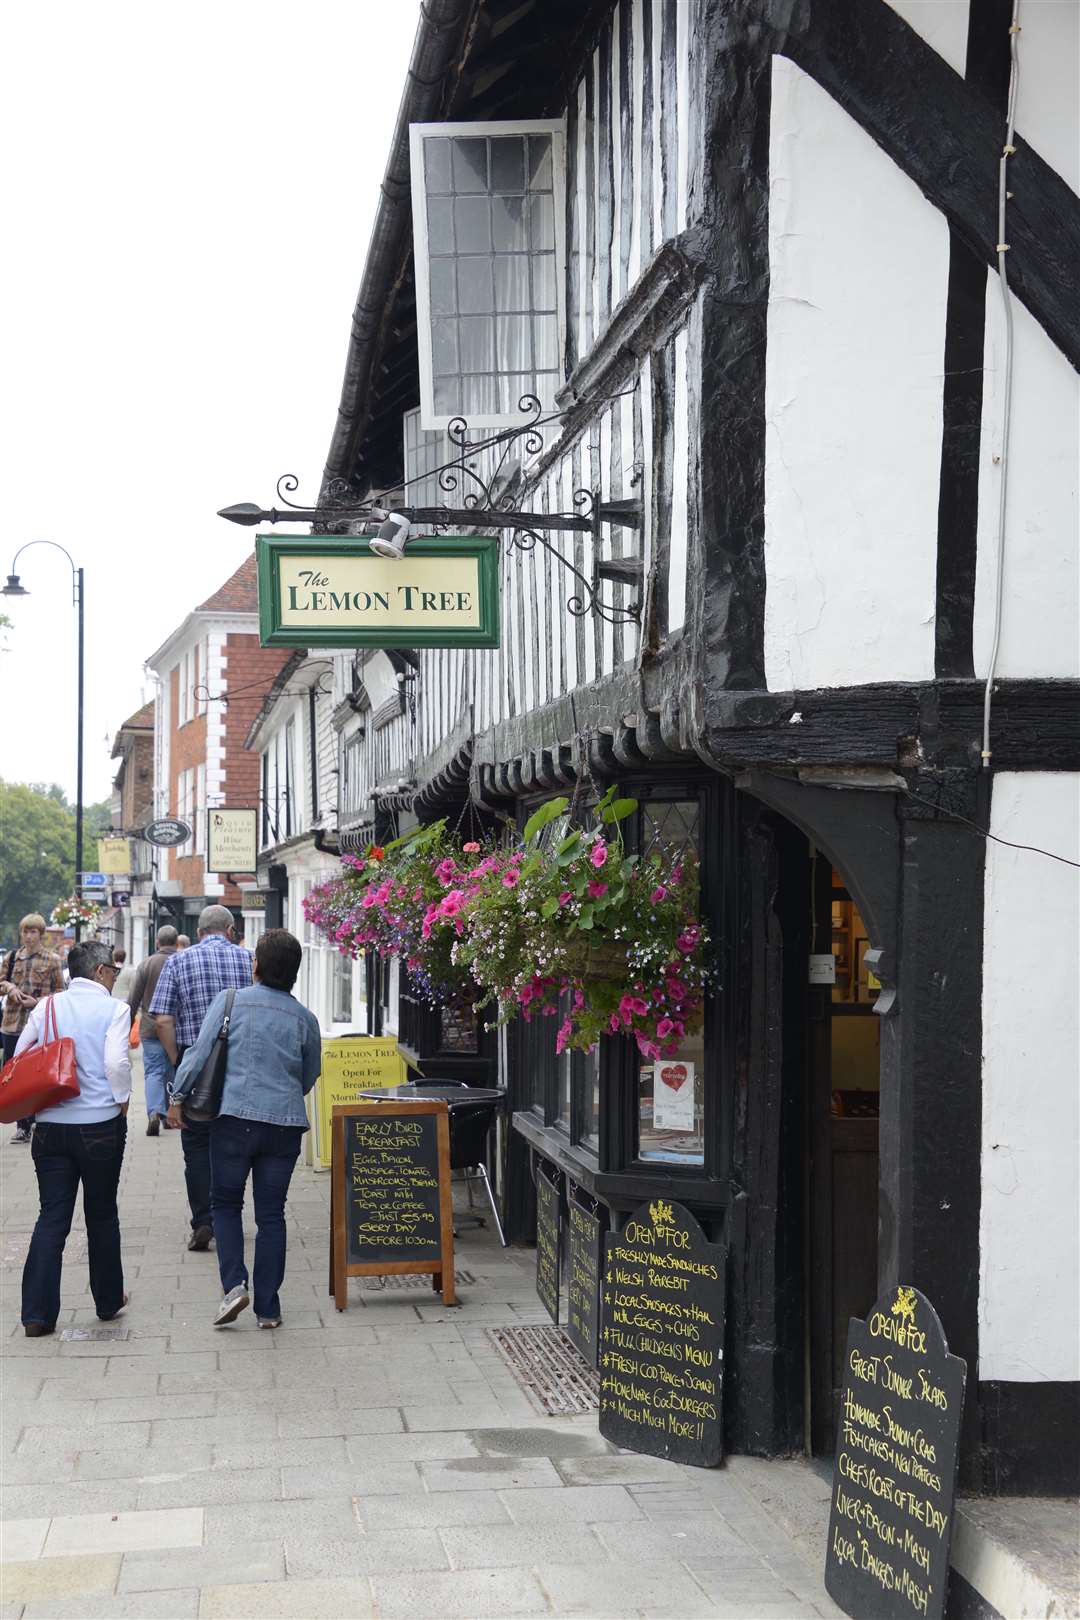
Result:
<point x="350" y="1065"/>
<point x="114" y="856"/>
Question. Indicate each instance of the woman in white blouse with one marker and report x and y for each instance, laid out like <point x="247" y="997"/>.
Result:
<point x="81" y="1141"/>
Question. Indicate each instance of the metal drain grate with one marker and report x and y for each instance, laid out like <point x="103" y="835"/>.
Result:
<point x="546" y="1365"/>
<point x="99" y="1335"/>
<point x="422" y="1279"/>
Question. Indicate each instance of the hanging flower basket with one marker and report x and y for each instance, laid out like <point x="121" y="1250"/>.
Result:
<point x="561" y="923"/>
<point x="66" y="913"/>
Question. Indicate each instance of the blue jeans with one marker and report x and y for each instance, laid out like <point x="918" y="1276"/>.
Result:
<point x="158" y="1076"/>
<point x="239" y="1147"/>
<point x="63" y="1156"/>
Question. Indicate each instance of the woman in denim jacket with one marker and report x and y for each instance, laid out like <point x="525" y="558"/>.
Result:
<point x="274" y="1054"/>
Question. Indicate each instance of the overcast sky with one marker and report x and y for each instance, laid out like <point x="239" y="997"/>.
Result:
<point x="189" y="196"/>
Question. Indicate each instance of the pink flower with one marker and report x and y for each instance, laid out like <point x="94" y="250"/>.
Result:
<point x="599" y="853"/>
<point x="510" y="879"/>
<point x="565" y="898"/>
<point x="677" y="989"/>
<point x="632" y="1006"/>
<point x="445" y="870"/>
<point x="664" y="1028"/>
<point x="676" y="875"/>
<point x="688" y="940"/>
<point x="658" y="894"/>
<point x="613" y="1024"/>
<point x="647" y="1048"/>
<point x="450" y="904"/>
<point x="471" y="848"/>
<point x="562" y="1037"/>
<point x="596" y="889"/>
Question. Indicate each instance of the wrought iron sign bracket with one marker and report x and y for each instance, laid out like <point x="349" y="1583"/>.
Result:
<point x="489" y="503"/>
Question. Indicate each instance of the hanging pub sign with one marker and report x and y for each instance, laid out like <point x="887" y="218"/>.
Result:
<point x="662" y="1344"/>
<point x="114" y="856"/>
<point x="894" y="1478"/>
<point x="330" y="592"/>
<point x="232" y="840"/>
<point x="167" y="832"/>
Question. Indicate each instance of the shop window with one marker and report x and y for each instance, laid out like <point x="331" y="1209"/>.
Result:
<point x="671" y="1091"/>
<point x="488" y="218"/>
<point x="342" y="989"/>
<point x="458" y="1031"/>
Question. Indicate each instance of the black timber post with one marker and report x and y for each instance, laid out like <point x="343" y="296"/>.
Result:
<point x="931" y="1087"/>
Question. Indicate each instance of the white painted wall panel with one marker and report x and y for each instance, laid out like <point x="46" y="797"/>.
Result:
<point x="942" y="23"/>
<point x="1040" y="630"/>
<point x="1047" y="103"/>
<point x="853" y="391"/>
<point x="1030" y="1218"/>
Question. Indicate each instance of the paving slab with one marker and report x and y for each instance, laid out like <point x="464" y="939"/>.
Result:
<point x="22" y="1539"/>
<point x="255" y="1561"/>
<point x="134" y="1606"/>
<point x="423" y="1512"/>
<point x="289" y="1600"/>
<point x="474" y="1594"/>
<point x="60" y="1577"/>
<point x="374" y="1552"/>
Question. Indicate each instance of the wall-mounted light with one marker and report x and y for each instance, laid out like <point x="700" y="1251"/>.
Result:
<point x="392" y="537"/>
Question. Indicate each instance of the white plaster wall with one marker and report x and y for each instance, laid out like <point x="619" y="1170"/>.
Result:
<point x="1040" y="628"/>
<point x="1030" y="1217"/>
<point x="942" y="23"/>
<point x="1047" y="103"/>
<point x="853" y="401"/>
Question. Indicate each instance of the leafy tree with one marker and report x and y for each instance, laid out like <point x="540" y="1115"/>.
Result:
<point x="37" y="854"/>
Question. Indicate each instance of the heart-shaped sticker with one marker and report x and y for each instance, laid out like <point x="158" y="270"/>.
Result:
<point x="674" y="1075"/>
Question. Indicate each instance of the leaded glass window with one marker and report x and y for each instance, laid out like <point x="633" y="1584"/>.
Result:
<point x="488" y="225"/>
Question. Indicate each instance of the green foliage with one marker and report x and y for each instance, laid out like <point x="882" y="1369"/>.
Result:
<point x="37" y="853"/>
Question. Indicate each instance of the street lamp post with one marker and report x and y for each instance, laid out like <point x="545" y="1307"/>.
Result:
<point x="15" y="588"/>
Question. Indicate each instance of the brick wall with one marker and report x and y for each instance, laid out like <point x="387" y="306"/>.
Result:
<point x="250" y="671"/>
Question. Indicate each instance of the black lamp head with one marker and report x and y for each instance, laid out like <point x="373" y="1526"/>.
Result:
<point x="13" y="587"/>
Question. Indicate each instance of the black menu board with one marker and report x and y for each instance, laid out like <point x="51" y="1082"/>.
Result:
<point x="894" y="1479"/>
<point x="392" y="1187"/>
<point x="662" y="1345"/>
<point x="547" y="1242"/>
<point x="583" y="1281"/>
<point x="390" y="1203"/>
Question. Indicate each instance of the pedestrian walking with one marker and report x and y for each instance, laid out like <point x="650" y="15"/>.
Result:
<point x="189" y="982"/>
<point x="80" y="1141"/>
<point x="182" y="942"/>
<point x="28" y="973"/>
<point x="273" y="1058"/>
<point x="158" y="1071"/>
<point x="125" y="978"/>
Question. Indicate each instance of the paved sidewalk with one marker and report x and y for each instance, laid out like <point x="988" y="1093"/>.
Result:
<point x="381" y="1462"/>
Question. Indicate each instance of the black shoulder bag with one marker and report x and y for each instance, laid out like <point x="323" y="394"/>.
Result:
<point x="203" y="1101"/>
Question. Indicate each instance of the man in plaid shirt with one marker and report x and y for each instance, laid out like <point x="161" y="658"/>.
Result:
<point x="188" y="984"/>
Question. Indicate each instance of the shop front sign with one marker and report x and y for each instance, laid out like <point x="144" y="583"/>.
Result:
<point x="319" y="592"/>
<point x="232" y="840"/>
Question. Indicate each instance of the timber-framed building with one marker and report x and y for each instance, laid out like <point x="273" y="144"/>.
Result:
<point x="746" y="255"/>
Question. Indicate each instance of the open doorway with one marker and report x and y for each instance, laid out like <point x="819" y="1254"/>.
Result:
<point x="842" y="1134"/>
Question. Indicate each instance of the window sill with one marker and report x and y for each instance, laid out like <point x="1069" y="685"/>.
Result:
<point x="621" y="1189"/>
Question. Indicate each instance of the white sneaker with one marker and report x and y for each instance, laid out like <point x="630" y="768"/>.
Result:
<point x="235" y="1301"/>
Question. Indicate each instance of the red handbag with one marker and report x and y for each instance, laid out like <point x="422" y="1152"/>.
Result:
<point x="40" y="1077"/>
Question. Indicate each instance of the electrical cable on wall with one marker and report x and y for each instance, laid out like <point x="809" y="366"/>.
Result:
<point x="1006" y="300"/>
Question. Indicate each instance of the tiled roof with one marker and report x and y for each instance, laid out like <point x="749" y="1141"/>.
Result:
<point x="141" y="720"/>
<point x="239" y="594"/>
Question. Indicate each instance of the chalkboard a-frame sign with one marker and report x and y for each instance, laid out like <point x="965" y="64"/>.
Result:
<point x="391" y="1206"/>
<point x="662" y="1340"/>
<point x="894" y="1478"/>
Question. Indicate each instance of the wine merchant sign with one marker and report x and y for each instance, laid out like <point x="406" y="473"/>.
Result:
<point x="328" y="592"/>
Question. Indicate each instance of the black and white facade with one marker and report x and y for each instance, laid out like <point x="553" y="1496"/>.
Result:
<point x="748" y="253"/>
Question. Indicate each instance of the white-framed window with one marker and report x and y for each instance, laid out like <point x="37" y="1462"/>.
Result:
<point x="292" y="800"/>
<point x="353" y="775"/>
<point x="489" y="239"/>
